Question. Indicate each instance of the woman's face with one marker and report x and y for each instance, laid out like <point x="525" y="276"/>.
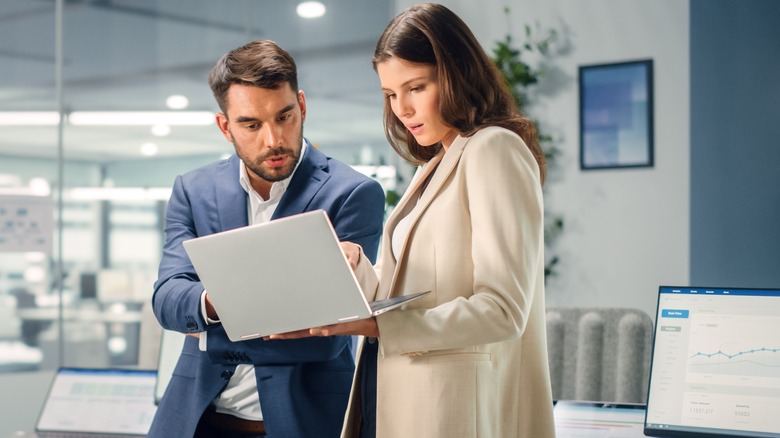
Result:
<point x="413" y="94"/>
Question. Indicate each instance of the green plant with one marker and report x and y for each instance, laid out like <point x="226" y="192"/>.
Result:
<point x="519" y="76"/>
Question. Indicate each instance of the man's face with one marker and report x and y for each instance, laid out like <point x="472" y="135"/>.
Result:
<point x="266" y="128"/>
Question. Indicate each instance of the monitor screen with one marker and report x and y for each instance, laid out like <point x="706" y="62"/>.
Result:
<point x="716" y="363"/>
<point x="88" y="285"/>
<point x="98" y="400"/>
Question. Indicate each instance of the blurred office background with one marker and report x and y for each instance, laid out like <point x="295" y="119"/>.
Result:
<point x="82" y="203"/>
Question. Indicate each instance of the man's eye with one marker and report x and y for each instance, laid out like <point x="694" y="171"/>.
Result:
<point x="284" y="117"/>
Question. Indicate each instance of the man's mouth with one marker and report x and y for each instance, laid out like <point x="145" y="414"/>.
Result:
<point x="276" y="160"/>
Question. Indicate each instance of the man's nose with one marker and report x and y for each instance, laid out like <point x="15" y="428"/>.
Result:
<point x="272" y="135"/>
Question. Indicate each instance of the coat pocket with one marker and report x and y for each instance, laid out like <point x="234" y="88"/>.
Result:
<point x="459" y="357"/>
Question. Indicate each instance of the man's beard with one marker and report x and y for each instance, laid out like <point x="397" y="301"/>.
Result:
<point x="277" y="174"/>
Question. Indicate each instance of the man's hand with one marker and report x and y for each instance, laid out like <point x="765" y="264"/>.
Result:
<point x="211" y="312"/>
<point x="365" y="327"/>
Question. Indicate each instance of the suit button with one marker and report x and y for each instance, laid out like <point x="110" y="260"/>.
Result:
<point x="226" y="374"/>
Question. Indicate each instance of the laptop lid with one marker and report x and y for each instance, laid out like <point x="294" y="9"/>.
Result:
<point x="715" y="368"/>
<point x="98" y="402"/>
<point x="284" y="275"/>
<point x="586" y="419"/>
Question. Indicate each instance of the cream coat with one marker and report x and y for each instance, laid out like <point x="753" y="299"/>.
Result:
<point x="469" y="359"/>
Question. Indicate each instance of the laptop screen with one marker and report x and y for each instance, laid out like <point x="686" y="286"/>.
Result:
<point x="716" y="363"/>
<point x="101" y="401"/>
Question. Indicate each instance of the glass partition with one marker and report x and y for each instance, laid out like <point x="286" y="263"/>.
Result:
<point x="137" y="111"/>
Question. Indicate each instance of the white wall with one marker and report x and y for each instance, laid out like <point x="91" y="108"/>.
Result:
<point x="626" y="231"/>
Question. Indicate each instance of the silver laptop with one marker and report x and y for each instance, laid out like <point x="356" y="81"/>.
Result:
<point x="95" y="403"/>
<point x="716" y="363"/>
<point x="285" y="275"/>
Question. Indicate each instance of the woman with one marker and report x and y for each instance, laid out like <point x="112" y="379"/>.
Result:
<point x="469" y="359"/>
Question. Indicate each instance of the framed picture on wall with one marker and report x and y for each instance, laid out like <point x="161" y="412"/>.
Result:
<point x="616" y="115"/>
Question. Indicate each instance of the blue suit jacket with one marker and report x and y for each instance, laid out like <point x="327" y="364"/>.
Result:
<point x="303" y="384"/>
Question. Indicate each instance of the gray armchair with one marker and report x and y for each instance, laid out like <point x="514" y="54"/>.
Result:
<point x="600" y="354"/>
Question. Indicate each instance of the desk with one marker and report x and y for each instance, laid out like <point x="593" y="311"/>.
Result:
<point x="19" y="413"/>
<point x="119" y="326"/>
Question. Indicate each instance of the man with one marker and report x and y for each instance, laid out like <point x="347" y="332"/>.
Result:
<point x="289" y="388"/>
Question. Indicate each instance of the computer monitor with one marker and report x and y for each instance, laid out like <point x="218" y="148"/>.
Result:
<point x="715" y="368"/>
<point x="88" y="286"/>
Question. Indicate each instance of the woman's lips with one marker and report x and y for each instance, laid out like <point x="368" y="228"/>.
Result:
<point x="415" y="128"/>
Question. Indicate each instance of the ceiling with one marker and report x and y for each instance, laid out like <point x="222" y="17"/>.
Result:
<point x="130" y="55"/>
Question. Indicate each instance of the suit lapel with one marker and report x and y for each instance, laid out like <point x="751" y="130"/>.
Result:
<point x="309" y="177"/>
<point x="231" y="198"/>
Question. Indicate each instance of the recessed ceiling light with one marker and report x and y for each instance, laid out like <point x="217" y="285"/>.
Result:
<point x="25" y="118"/>
<point x="161" y="130"/>
<point x="177" y="101"/>
<point x="40" y="186"/>
<point x="310" y="9"/>
<point x="119" y="193"/>
<point x="124" y="118"/>
<point x="149" y="149"/>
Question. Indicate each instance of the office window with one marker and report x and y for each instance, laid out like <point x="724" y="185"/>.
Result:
<point x="107" y="177"/>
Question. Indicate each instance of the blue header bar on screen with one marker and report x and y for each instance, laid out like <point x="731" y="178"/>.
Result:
<point x="718" y="291"/>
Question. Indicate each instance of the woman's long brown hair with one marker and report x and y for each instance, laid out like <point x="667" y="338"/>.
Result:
<point x="473" y="92"/>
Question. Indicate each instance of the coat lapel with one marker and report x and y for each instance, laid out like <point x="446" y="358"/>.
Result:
<point x="442" y="165"/>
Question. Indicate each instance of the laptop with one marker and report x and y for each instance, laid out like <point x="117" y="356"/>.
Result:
<point x="284" y="275"/>
<point x="96" y="403"/>
<point x="715" y="368"/>
<point x="586" y="419"/>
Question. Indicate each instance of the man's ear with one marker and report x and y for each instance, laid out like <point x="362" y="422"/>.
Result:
<point x="302" y="104"/>
<point x="222" y="123"/>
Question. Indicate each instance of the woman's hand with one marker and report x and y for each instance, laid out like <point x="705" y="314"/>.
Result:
<point x="352" y="252"/>
<point x="365" y="327"/>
